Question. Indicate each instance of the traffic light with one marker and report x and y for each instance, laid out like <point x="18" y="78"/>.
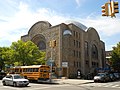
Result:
<point x="115" y="7"/>
<point x="105" y="9"/>
<point x="50" y="43"/>
<point x="54" y="43"/>
<point x="53" y="69"/>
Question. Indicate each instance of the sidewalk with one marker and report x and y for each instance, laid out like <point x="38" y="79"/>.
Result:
<point x="72" y="81"/>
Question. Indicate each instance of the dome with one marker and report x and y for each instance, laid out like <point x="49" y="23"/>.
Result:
<point x="77" y="24"/>
<point x="67" y="32"/>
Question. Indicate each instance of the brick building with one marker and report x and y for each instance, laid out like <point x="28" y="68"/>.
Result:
<point x="77" y="47"/>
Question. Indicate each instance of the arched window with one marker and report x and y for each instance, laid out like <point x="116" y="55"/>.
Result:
<point x="42" y="45"/>
<point x="94" y="52"/>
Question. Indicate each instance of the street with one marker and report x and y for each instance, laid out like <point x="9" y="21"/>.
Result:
<point x="89" y="86"/>
<point x="109" y="85"/>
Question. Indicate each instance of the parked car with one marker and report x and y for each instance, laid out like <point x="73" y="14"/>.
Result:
<point x="15" y="80"/>
<point x="117" y="75"/>
<point x="2" y="74"/>
<point x="102" y="77"/>
<point x="112" y="77"/>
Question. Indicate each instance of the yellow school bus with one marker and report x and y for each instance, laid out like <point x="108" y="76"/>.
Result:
<point x="34" y="72"/>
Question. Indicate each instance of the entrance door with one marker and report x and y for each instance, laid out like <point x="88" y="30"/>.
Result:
<point x="65" y="72"/>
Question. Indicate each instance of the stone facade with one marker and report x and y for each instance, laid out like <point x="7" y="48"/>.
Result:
<point x="77" y="47"/>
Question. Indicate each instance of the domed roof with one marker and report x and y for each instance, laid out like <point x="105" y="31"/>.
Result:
<point x="77" y="24"/>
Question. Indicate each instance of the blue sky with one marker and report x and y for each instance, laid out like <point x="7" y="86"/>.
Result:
<point x="17" y="17"/>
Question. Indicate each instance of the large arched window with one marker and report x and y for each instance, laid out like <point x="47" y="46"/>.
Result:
<point x="94" y="52"/>
<point x="42" y="45"/>
<point x="40" y="41"/>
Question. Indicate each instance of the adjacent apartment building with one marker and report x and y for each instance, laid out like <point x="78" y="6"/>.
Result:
<point x="78" y="48"/>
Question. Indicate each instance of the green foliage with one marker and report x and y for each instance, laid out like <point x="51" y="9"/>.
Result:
<point x="5" y="56"/>
<point x="116" y="57"/>
<point x="26" y="53"/>
<point x="21" y="53"/>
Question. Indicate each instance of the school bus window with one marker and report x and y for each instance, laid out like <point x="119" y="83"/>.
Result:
<point x="20" y="70"/>
<point x="41" y="70"/>
<point x="24" y="70"/>
<point x="45" y="70"/>
<point x="29" y="69"/>
<point x="16" y="70"/>
<point x="35" y="69"/>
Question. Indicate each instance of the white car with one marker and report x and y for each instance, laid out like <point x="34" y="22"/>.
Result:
<point x="102" y="77"/>
<point x="15" y="80"/>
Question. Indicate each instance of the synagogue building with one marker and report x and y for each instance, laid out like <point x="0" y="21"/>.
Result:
<point x="76" y="47"/>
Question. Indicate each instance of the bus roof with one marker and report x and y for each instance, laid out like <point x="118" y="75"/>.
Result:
<point x="32" y="66"/>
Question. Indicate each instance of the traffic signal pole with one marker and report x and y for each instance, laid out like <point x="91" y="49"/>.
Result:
<point x="52" y="44"/>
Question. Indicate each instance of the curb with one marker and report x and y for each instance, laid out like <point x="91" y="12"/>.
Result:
<point x="72" y="82"/>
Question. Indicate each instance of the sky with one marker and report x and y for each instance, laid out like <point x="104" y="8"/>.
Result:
<point x="18" y="16"/>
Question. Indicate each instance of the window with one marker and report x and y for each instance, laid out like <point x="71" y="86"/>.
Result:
<point x="94" y="52"/>
<point x="94" y="64"/>
<point x="74" y="42"/>
<point x="74" y="53"/>
<point x="74" y="63"/>
<point x="79" y="45"/>
<point x="79" y="54"/>
<point x="86" y="49"/>
<point x="35" y="69"/>
<point x="8" y="76"/>
<point x="42" y="45"/>
<point x="74" y="33"/>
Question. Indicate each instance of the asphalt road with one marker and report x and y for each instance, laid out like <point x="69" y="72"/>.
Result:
<point x="90" y="86"/>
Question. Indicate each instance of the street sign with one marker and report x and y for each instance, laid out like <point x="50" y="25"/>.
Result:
<point x="49" y="62"/>
<point x="64" y="64"/>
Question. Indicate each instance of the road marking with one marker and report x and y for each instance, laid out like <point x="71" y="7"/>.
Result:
<point x="112" y="85"/>
<point x="116" y="86"/>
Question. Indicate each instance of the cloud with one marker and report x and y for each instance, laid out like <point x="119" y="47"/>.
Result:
<point x="18" y="25"/>
<point x="105" y="25"/>
<point x="79" y="2"/>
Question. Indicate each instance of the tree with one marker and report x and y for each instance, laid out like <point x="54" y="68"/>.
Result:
<point x="1" y="60"/>
<point x="116" y="57"/>
<point x="27" y="53"/>
<point x="5" y="56"/>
